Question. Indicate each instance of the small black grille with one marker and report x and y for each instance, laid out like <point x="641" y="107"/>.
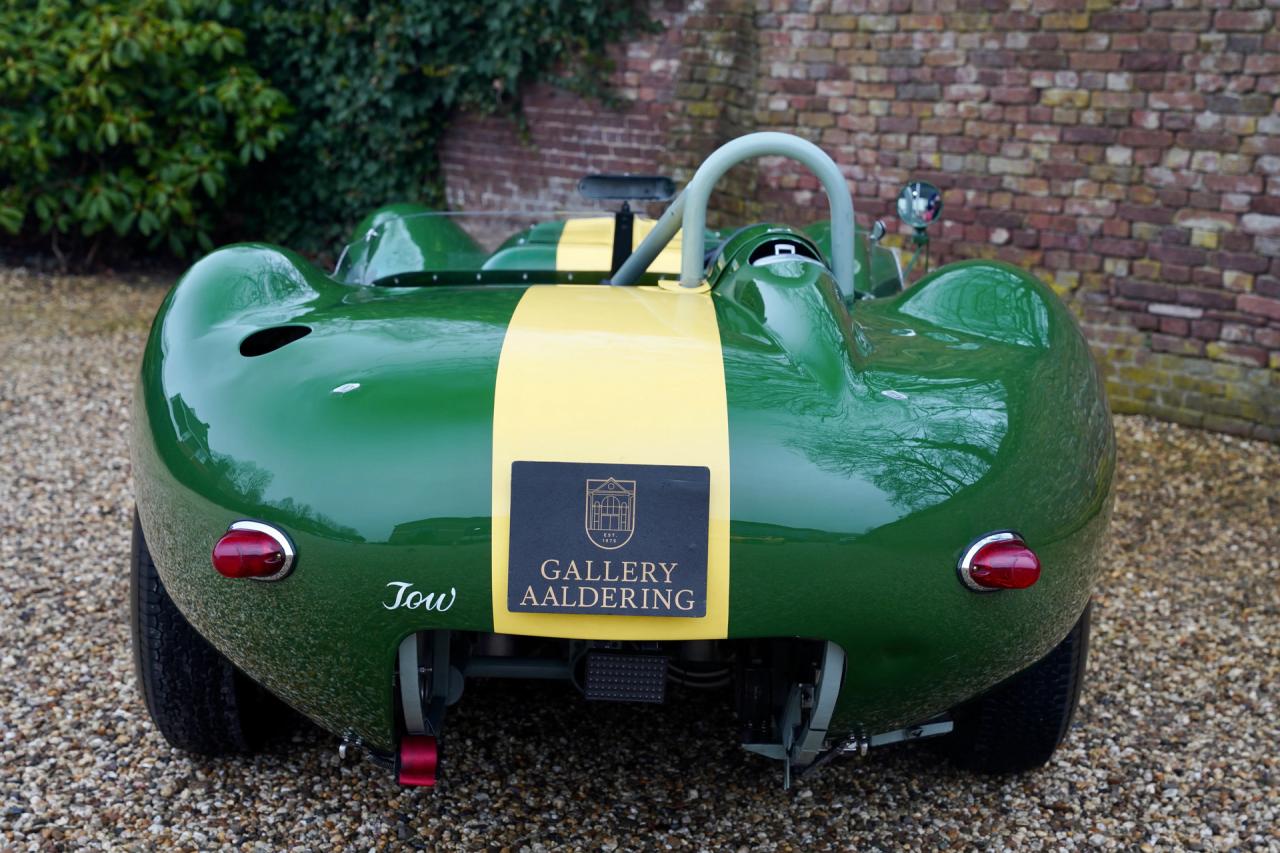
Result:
<point x="613" y="677"/>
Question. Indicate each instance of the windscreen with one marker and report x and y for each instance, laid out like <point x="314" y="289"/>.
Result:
<point x="408" y="248"/>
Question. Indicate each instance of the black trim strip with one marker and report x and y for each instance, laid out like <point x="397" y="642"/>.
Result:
<point x="449" y="278"/>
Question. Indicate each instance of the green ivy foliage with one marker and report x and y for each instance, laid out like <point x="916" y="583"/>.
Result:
<point x="126" y="121"/>
<point x="375" y="83"/>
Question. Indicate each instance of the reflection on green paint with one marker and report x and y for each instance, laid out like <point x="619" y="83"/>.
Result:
<point x="869" y="444"/>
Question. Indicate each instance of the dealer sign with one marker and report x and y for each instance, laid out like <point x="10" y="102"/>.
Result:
<point x="629" y="540"/>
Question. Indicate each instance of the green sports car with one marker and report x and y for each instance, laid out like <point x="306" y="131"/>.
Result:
<point x="622" y="453"/>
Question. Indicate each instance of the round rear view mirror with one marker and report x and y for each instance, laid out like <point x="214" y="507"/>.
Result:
<point x="919" y="204"/>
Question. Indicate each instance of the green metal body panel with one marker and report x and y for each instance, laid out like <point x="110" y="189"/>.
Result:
<point x="869" y="445"/>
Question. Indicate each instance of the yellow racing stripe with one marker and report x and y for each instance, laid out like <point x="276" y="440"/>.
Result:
<point x="586" y="245"/>
<point x="630" y="375"/>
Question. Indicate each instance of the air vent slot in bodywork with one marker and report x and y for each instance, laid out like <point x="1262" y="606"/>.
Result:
<point x="264" y="341"/>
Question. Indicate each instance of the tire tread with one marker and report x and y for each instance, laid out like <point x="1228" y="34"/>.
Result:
<point x="1019" y="724"/>
<point x="195" y="696"/>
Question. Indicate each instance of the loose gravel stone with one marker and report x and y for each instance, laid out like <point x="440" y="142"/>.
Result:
<point x="1175" y="745"/>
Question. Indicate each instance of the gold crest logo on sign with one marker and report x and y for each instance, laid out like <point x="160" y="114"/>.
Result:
<point x="611" y="512"/>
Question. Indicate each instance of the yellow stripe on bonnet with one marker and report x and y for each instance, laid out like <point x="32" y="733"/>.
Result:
<point x="586" y="244"/>
<point x="612" y="374"/>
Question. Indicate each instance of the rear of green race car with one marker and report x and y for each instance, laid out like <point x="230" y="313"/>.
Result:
<point x="875" y="519"/>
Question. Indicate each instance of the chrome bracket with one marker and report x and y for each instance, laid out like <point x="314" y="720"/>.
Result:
<point x="861" y="743"/>
<point x="805" y="717"/>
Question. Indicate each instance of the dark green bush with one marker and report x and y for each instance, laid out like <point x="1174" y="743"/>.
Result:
<point x="125" y="121"/>
<point x="375" y="82"/>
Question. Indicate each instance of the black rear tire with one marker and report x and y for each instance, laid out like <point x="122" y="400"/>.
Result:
<point x="198" y="700"/>
<point x="1016" y="726"/>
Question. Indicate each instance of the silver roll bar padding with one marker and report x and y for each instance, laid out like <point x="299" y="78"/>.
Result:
<point x="688" y="213"/>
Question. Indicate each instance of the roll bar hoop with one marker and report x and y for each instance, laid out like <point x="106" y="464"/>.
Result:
<point x="688" y="213"/>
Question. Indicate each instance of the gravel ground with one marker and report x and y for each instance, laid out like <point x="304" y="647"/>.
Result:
<point x="1175" y="744"/>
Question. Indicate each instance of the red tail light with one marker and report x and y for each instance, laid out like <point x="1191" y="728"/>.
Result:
<point x="251" y="549"/>
<point x="999" y="561"/>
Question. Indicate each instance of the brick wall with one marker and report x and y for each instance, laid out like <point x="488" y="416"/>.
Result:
<point x="489" y="164"/>
<point x="1127" y="152"/>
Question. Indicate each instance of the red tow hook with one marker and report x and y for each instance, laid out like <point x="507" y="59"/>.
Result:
<point x="417" y="760"/>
